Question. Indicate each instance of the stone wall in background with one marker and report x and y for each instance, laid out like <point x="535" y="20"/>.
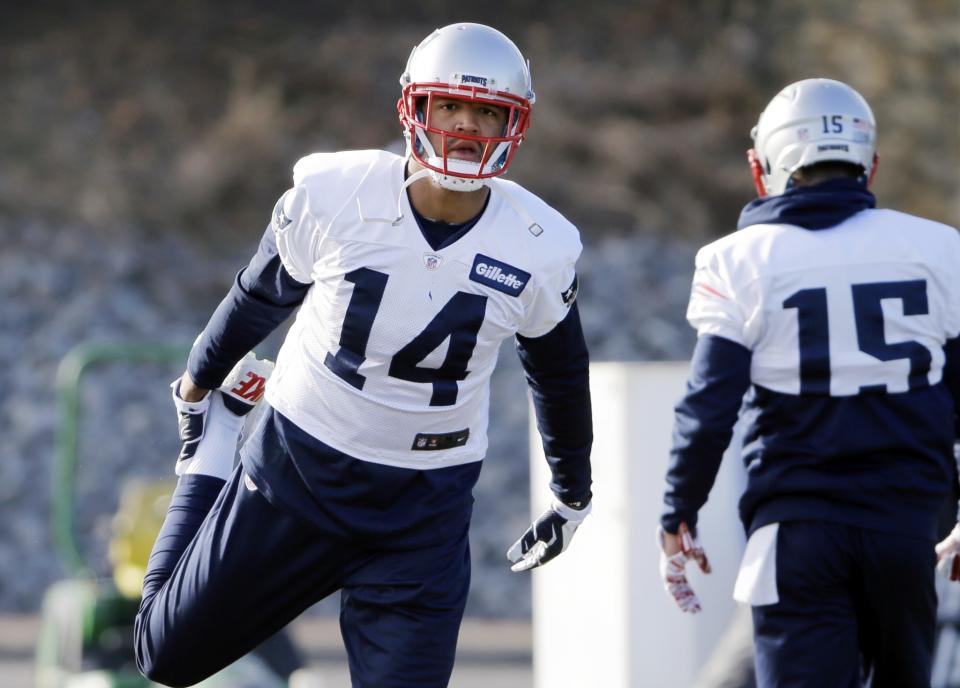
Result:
<point x="186" y="117"/>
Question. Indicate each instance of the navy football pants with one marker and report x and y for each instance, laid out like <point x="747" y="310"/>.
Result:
<point x="252" y="568"/>
<point x="852" y="602"/>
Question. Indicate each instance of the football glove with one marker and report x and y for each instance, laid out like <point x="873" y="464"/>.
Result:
<point x="241" y="390"/>
<point x="673" y="567"/>
<point x="548" y="536"/>
<point x="191" y="423"/>
<point x="948" y="555"/>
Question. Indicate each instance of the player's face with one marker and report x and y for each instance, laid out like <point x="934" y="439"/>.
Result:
<point x="467" y="118"/>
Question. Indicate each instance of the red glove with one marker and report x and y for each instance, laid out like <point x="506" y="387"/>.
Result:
<point x="675" y="552"/>
<point x="948" y="555"/>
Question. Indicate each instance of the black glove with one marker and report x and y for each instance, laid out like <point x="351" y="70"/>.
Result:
<point x="241" y="391"/>
<point x="191" y="423"/>
<point x="548" y="536"/>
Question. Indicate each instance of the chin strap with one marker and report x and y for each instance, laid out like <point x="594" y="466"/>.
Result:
<point x="415" y="177"/>
<point x="532" y="226"/>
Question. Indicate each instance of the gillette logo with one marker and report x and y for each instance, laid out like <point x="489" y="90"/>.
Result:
<point x="500" y="276"/>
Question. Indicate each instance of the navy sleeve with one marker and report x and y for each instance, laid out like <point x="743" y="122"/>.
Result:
<point x="951" y="376"/>
<point x="703" y="426"/>
<point x="263" y="296"/>
<point x="557" y="368"/>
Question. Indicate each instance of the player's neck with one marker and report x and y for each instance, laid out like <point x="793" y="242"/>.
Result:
<point x="444" y="205"/>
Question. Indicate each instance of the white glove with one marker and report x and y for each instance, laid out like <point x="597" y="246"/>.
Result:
<point x="241" y="390"/>
<point x="548" y="536"/>
<point x="673" y="566"/>
<point x="948" y="555"/>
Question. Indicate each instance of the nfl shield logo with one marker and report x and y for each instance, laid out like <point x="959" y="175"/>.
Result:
<point x="431" y="261"/>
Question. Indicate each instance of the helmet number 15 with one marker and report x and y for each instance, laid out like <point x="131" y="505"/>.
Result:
<point x="814" y="335"/>
<point x="832" y="124"/>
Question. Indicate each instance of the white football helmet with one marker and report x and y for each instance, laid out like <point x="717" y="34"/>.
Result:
<point x="811" y="121"/>
<point x="475" y="63"/>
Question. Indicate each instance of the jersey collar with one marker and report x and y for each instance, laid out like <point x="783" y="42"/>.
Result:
<point x="812" y="207"/>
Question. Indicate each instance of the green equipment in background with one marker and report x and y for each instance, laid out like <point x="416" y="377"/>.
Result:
<point x="86" y="629"/>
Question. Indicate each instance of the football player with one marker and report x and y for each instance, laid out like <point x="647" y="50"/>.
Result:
<point x="839" y="322"/>
<point x="408" y="273"/>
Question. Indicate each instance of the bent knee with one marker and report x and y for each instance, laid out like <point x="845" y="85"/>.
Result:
<point x="175" y="675"/>
<point x="162" y="674"/>
<point x="160" y="663"/>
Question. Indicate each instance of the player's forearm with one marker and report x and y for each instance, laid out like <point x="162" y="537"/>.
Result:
<point x="566" y="428"/>
<point x="557" y="368"/>
<point x="262" y="296"/>
<point x="238" y="325"/>
<point x="703" y="426"/>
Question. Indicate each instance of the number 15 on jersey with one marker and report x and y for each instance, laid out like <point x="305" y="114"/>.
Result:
<point x="816" y="367"/>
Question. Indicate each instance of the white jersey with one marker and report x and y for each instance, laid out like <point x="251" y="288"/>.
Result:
<point x="389" y="359"/>
<point x="861" y="306"/>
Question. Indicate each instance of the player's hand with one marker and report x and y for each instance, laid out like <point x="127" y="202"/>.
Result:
<point x="191" y="418"/>
<point x="948" y="555"/>
<point x="675" y="552"/>
<point x="548" y="536"/>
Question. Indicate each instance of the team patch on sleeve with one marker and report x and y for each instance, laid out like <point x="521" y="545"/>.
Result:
<point x="497" y="275"/>
<point x="280" y="219"/>
<point x="569" y="295"/>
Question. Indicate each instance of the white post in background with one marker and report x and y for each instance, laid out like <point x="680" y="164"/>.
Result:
<point x="600" y="614"/>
